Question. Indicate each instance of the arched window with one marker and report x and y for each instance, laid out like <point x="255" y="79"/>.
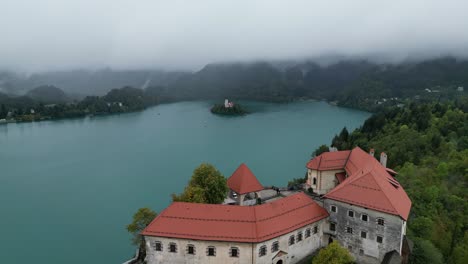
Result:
<point x="262" y="251"/>
<point x="299" y="236"/>
<point x="275" y="246"/>
<point x="314" y="181"/>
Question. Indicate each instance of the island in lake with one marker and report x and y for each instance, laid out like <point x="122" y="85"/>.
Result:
<point x="228" y="108"/>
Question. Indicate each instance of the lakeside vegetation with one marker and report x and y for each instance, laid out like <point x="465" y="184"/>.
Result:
<point x="26" y="109"/>
<point x="427" y="144"/>
<point x="235" y="110"/>
<point x="356" y="84"/>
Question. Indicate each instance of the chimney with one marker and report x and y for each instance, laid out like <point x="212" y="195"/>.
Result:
<point x="372" y="152"/>
<point x="383" y="159"/>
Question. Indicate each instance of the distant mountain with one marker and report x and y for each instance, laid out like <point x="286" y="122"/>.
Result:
<point x="350" y="82"/>
<point x="48" y="94"/>
<point x="80" y="83"/>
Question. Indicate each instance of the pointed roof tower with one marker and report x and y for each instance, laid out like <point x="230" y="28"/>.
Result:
<point x="244" y="181"/>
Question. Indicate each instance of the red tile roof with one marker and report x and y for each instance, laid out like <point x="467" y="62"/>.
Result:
<point x="368" y="184"/>
<point x="244" y="181"/>
<point x="340" y="176"/>
<point x="236" y="223"/>
<point x="329" y="161"/>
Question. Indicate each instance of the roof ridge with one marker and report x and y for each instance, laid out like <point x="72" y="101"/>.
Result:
<point x="381" y="188"/>
<point x="254" y="209"/>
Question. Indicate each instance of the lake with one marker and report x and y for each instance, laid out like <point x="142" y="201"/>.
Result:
<point x="68" y="188"/>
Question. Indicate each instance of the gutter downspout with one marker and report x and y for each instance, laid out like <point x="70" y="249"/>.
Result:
<point x="253" y="253"/>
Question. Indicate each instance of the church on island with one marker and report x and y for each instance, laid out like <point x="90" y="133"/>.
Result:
<point x="349" y="197"/>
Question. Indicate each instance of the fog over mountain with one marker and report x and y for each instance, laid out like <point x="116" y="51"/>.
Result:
<point x="51" y="35"/>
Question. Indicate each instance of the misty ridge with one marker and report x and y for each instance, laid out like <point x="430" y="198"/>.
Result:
<point x="265" y="81"/>
<point x="352" y="52"/>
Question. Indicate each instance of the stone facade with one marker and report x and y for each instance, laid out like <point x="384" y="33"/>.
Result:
<point x="286" y="252"/>
<point x="389" y="228"/>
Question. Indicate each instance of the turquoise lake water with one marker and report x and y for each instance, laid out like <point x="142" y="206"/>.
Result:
<point x="68" y="188"/>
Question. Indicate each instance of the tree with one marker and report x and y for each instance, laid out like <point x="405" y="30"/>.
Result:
<point x="141" y="219"/>
<point x="425" y="252"/>
<point x="333" y="254"/>
<point x="320" y="150"/>
<point x="3" y="111"/>
<point x="207" y="185"/>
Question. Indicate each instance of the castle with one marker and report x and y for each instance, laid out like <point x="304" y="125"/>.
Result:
<point x="350" y="197"/>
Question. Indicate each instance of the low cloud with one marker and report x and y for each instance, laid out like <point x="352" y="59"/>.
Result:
<point x="59" y="35"/>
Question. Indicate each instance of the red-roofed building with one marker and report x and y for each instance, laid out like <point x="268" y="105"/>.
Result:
<point x="205" y="233"/>
<point x="242" y="183"/>
<point x="368" y="207"/>
<point x="362" y="206"/>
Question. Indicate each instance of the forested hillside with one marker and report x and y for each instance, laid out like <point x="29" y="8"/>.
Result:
<point x="353" y="83"/>
<point x="427" y="144"/>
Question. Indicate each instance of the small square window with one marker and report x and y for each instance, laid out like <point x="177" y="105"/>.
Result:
<point x="191" y="249"/>
<point x="157" y="246"/>
<point x="363" y="234"/>
<point x="332" y="226"/>
<point x="379" y="239"/>
<point x="333" y="208"/>
<point x="262" y="251"/>
<point x="364" y="218"/>
<point x="315" y="229"/>
<point x="349" y="230"/>
<point x="275" y="246"/>
<point x="361" y="252"/>
<point x="380" y="221"/>
<point x="299" y="236"/>
<point x="350" y="248"/>
<point x="234" y="252"/>
<point x="351" y="213"/>
<point x="211" y="251"/>
<point x="172" y="248"/>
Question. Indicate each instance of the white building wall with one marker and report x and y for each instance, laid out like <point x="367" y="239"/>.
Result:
<point x="248" y="252"/>
<point x="200" y="256"/>
<point x="326" y="180"/>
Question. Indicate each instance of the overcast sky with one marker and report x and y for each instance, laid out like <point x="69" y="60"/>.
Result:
<point x="38" y="35"/>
